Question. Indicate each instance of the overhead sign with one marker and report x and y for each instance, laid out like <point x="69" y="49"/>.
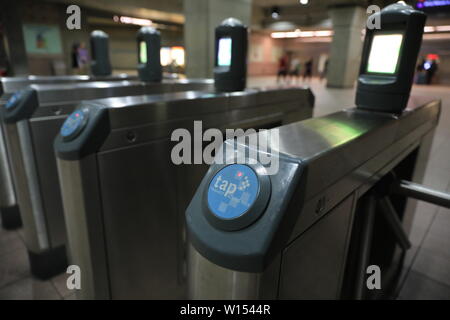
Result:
<point x="42" y="39"/>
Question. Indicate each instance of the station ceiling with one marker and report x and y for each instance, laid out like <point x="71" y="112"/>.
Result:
<point x="292" y="14"/>
<point x="314" y="14"/>
<point x="172" y="10"/>
<point x="159" y="10"/>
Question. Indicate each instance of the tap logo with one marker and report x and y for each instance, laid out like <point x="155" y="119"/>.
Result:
<point x="230" y="188"/>
<point x="244" y="184"/>
<point x="226" y="186"/>
<point x="232" y="191"/>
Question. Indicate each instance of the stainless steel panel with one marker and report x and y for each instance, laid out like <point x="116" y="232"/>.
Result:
<point x="313" y="265"/>
<point x="7" y="193"/>
<point x="85" y="225"/>
<point x="57" y="93"/>
<point x="210" y="281"/>
<point x="140" y="221"/>
<point x="31" y="213"/>
<point x="362" y="178"/>
<point x="11" y="84"/>
<point x="43" y="132"/>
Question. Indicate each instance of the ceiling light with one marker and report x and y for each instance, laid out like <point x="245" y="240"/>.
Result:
<point x="275" y="12"/>
<point x="131" y="20"/>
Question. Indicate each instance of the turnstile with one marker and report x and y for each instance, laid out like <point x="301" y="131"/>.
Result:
<point x="299" y="234"/>
<point x="32" y="118"/>
<point x="8" y="85"/>
<point x="124" y="198"/>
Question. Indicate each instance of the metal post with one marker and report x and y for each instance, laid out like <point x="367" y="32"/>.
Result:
<point x="420" y="192"/>
<point x="394" y="222"/>
<point x="365" y="244"/>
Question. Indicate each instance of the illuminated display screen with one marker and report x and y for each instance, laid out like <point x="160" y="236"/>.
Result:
<point x="384" y="53"/>
<point x="224" y="56"/>
<point x="142" y="52"/>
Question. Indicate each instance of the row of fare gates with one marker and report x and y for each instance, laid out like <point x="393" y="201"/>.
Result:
<point x="86" y="170"/>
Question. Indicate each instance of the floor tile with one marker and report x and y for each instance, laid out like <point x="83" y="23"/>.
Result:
<point x="442" y="221"/>
<point x="13" y="266"/>
<point x="433" y="264"/>
<point x="60" y="283"/>
<point x="410" y="256"/>
<point x="438" y="237"/>
<point x="439" y="160"/>
<point x="29" y="289"/>
<point x="417" y="234"/>
<point x="420" y="287"/>
<point x="10" y="241"/>
<point x="436" y="178"/>
<point x="21" y="232"/>
<point x="71" y="296"/>
<point x="423" y="218"/>
<point x="437" y="244"/>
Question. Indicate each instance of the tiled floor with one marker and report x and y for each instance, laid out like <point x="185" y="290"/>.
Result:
<point x="427" y="263"/>
<point x="16" y="281"/>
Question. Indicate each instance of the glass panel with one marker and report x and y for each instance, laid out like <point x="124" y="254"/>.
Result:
<point x="384" y="53"/>
<point x="224" y="56"/>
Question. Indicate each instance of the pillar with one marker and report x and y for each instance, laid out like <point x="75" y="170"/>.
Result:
<point x="346" y="47"/>
<point x="201" y="18"/>
<point x="15" y="43"/>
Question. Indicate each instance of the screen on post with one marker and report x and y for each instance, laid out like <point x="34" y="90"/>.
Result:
<point x="224" y="55"/>
<point x="384" y="53"/>
<point x="142" y="52"/>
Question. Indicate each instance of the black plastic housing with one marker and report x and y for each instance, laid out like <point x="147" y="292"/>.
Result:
<point x="101" y="65"/>
<point x="23" y="108"/>
<point x="232" y="78"/>
<point x="390" y="92"/>
<point x="150" y="70"/>
<point x="89" y="139"/>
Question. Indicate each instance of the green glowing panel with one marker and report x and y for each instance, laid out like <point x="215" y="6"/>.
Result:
<point x="224" y="55"/>
<point x="384" y="53"/>
<point x="142" y="52"/>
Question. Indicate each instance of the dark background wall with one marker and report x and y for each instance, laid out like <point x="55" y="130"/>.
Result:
<point x="123" y="48"/>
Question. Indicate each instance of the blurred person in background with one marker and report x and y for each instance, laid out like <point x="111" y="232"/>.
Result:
<point x="294" y="71"/>
<point x="283" y="66"/>
<point x="80" y="58"/>
<point x="323" y="75"/>
<point x="421" y="73"/>
<point x="307" y="74"/>
<point x="431" y="68"/>
<point x="74" y="58"/>
<point x="83" y="58"/>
